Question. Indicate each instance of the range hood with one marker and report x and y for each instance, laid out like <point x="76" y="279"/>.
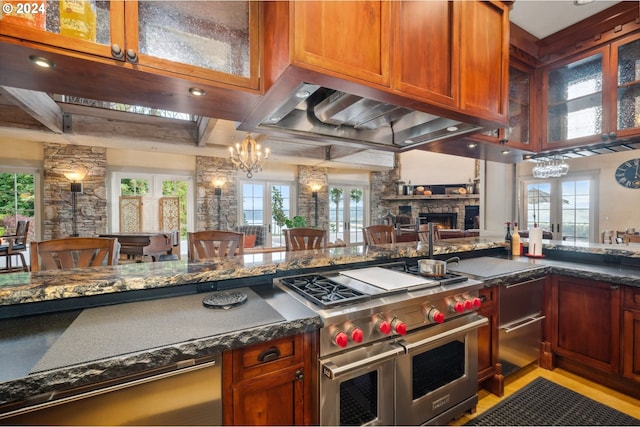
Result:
<point x="316" y="112"/>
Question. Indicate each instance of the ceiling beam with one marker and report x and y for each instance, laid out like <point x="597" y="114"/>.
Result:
<point x="38" y="105"/>
<point x="204" y="129"/>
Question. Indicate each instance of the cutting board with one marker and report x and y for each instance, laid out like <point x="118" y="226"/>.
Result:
<point x="389" y="280"/>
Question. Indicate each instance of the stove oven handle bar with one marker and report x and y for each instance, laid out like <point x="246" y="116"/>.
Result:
<point x="332" y="371"/>
<point x="473" y="322"/>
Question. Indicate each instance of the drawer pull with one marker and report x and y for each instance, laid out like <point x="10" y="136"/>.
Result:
<point x="269" y="355"/>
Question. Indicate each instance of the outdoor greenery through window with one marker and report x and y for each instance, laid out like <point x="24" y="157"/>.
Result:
<point x="17" y="201"/>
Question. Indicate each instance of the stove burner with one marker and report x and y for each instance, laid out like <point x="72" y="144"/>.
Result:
<point x="447" y="279"/>
<point x="323" y="291"/>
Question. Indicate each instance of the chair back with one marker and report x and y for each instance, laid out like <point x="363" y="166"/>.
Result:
<point x="423" y="235"/>
<point x="214" y="244"/>
<point x="22" y="231"/>
<point x="72" y="252"/>
<point x="302" y="238"/>
<point x="379" y="234"/>
<point x="608" y="237"/>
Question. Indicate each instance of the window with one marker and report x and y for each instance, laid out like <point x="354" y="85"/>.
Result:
<point x="565" y="206"/>
<point x="346" y="213"/>
<point x="18" y="199"/>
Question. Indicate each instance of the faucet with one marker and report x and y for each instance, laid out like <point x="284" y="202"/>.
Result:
<point x="430" y="232"/>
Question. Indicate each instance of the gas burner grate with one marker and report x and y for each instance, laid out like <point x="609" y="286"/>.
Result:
<point x="323" y="291"/>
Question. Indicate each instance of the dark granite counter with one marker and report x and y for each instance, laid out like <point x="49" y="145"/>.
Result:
<point x="34" y="370"/>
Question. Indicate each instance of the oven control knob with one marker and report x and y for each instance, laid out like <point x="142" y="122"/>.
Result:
<point x="456" y="305"/>
<point x="468" y="304"/>
<point x="383" y="326"/>
<point x="356" y="335"/>
<point x="435" y="316"/>
<point x="340" y="339"/>
<point x="399" y="327"/>
<point x="476" y="302"/>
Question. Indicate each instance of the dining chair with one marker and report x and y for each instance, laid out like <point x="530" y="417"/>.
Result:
<point x="379" y="234"/>
<point x="608" y="237"/>
<point x="72" y="252"/>
<point x="16" y="245"/>
<point x="303" y="238"/>
<point x="214" y="244"/>
<point x="423" y="235"/>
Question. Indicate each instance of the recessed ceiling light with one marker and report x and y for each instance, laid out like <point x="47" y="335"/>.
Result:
<point x="472" y="145"/>
<point x="452" y="128"/>
<point x="196" y="91"/>
<point x="505" y="151"/>
<point x="42" y="61"/>
<point x="275" y="119"/>
<point x="302" y="94"/>
<point x="408" y="141"/>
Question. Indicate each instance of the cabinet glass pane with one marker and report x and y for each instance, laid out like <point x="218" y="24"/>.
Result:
<point x="629" y="85"/>
<point x="575" y="100"/>
<point x="518" y="106"/>
<point x="208" y="34"/>
<point x="86" y="20"/>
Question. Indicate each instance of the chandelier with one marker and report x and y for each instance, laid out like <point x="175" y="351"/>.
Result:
<point x="247" y="155"/>
<point x="553" y="167"/>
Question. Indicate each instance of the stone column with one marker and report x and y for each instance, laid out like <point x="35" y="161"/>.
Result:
<point x="209" y="169"/>
<point x="56" y="194"/>
<point x="306" y="204"/>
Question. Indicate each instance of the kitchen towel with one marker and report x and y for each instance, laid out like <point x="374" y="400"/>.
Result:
<point x="535" y="241"/>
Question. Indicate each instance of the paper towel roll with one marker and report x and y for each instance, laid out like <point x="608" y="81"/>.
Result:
<point x="535" y="241"/>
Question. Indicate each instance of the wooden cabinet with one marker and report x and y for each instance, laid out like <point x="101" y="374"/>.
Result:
<point x="585" y="326"/>
<point x="269" y="383"/>
<point x="592" y="97"/>
<point x="631" y="334"/>
<point x="489" y="372"/>
<point x="209" y="41"/>
<point x="445" y="53"/>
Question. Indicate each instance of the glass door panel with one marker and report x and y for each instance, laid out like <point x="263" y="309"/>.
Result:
<point x="628" y="106"/>
<point x="346" y="214"/>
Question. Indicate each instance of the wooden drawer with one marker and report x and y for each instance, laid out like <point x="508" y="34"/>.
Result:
<point x="264" y="358"/>
<point x="631" y="298"/>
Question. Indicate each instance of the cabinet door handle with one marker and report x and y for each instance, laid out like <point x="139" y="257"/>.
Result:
<point x="299" y="375"/>
<point x="132" y="56"/>
<point x="269" y="355"/>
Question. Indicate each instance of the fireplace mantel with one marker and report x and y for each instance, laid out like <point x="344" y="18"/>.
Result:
<point x="435" y="197"/>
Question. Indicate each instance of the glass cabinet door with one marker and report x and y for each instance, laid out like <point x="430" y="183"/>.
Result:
<point x="574" y="102"/>
<point x="90" y="26"/>
<point x="628" y="90"/>
<point x="519" y="92"/>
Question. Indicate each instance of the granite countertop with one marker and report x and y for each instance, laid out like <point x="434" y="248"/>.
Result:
<point x="45" y="371"/>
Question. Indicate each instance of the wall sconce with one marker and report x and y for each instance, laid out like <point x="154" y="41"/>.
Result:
<point x="217" y="191"/>
<point x="314" y="193"/>
<point x="75" y="175"/>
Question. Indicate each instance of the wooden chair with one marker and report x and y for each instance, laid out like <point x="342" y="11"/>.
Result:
<point x="16" y="245"/>
<point x="608" y="237"/>
<point x="214" y="244"/>
<point x="423" y="235"/>
<point x="379" y="234"/>
<point x="301" y="238"/>
<point x="72" y="252"/>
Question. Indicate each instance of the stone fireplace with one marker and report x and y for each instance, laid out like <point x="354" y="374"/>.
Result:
<point x="446" y="220"/>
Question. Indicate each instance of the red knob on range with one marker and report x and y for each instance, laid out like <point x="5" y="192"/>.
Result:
<point x="468" y="304"/>
<point x="383" y="326"/>
<point x="340" y="339"/>
<point x="457" y="306"/>
<point x="399" y="327"/>
<point x="435" y="316"/>
<point x="356" y="334"/>
<point x="476" y="302"/>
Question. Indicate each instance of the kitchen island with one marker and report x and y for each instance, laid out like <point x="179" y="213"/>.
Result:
<point x="49" y="372"/>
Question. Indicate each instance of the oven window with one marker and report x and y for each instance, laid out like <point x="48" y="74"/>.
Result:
<point x="359" y="400"/>
<point x="438" y="367"/>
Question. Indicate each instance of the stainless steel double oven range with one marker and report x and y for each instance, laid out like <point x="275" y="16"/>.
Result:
<point x="396" y="348"/>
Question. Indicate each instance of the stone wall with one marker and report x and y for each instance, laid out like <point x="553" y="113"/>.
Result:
<point x="308" y="176"/>
<point x="452" y="205"/>
<point x="209" y="169"/>
<point x="384" y="184"/>
<point x="56" y="194"/>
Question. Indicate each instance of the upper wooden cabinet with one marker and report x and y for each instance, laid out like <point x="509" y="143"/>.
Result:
<point x="453" y="54"/>
<point x="213" y="41"/>
<point x="593" y="96"/>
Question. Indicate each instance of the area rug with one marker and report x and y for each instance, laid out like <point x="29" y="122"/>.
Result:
<point x="545" y="403"/>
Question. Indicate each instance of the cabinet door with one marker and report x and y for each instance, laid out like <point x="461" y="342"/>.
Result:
<point x="520" y="84"/>
<point x="625" y="67"/>
<point x="631" y="345"/>
<point x="488" y="342"/>
<point x="484" y="59"/>
<point x="576" y="111"/>
<point x="586" y="325"/>
<point x="343" y="38"/>
<point x="209" y="40"/>
<point x="272" y="400"/>
<point x="425" y="62"/>
<point x="88" y="27"/>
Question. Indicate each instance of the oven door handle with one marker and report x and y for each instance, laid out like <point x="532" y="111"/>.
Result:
<point x="477" y="322"/>
<point x="332" y="371"/>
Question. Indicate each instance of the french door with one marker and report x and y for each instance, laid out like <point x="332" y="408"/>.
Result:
<point x="347" y="213"/>
<point x="267" y="203"/>
<point x="565" y="206"/>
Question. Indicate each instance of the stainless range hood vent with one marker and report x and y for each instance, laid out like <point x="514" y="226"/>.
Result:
<point x="312" y="111"/>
